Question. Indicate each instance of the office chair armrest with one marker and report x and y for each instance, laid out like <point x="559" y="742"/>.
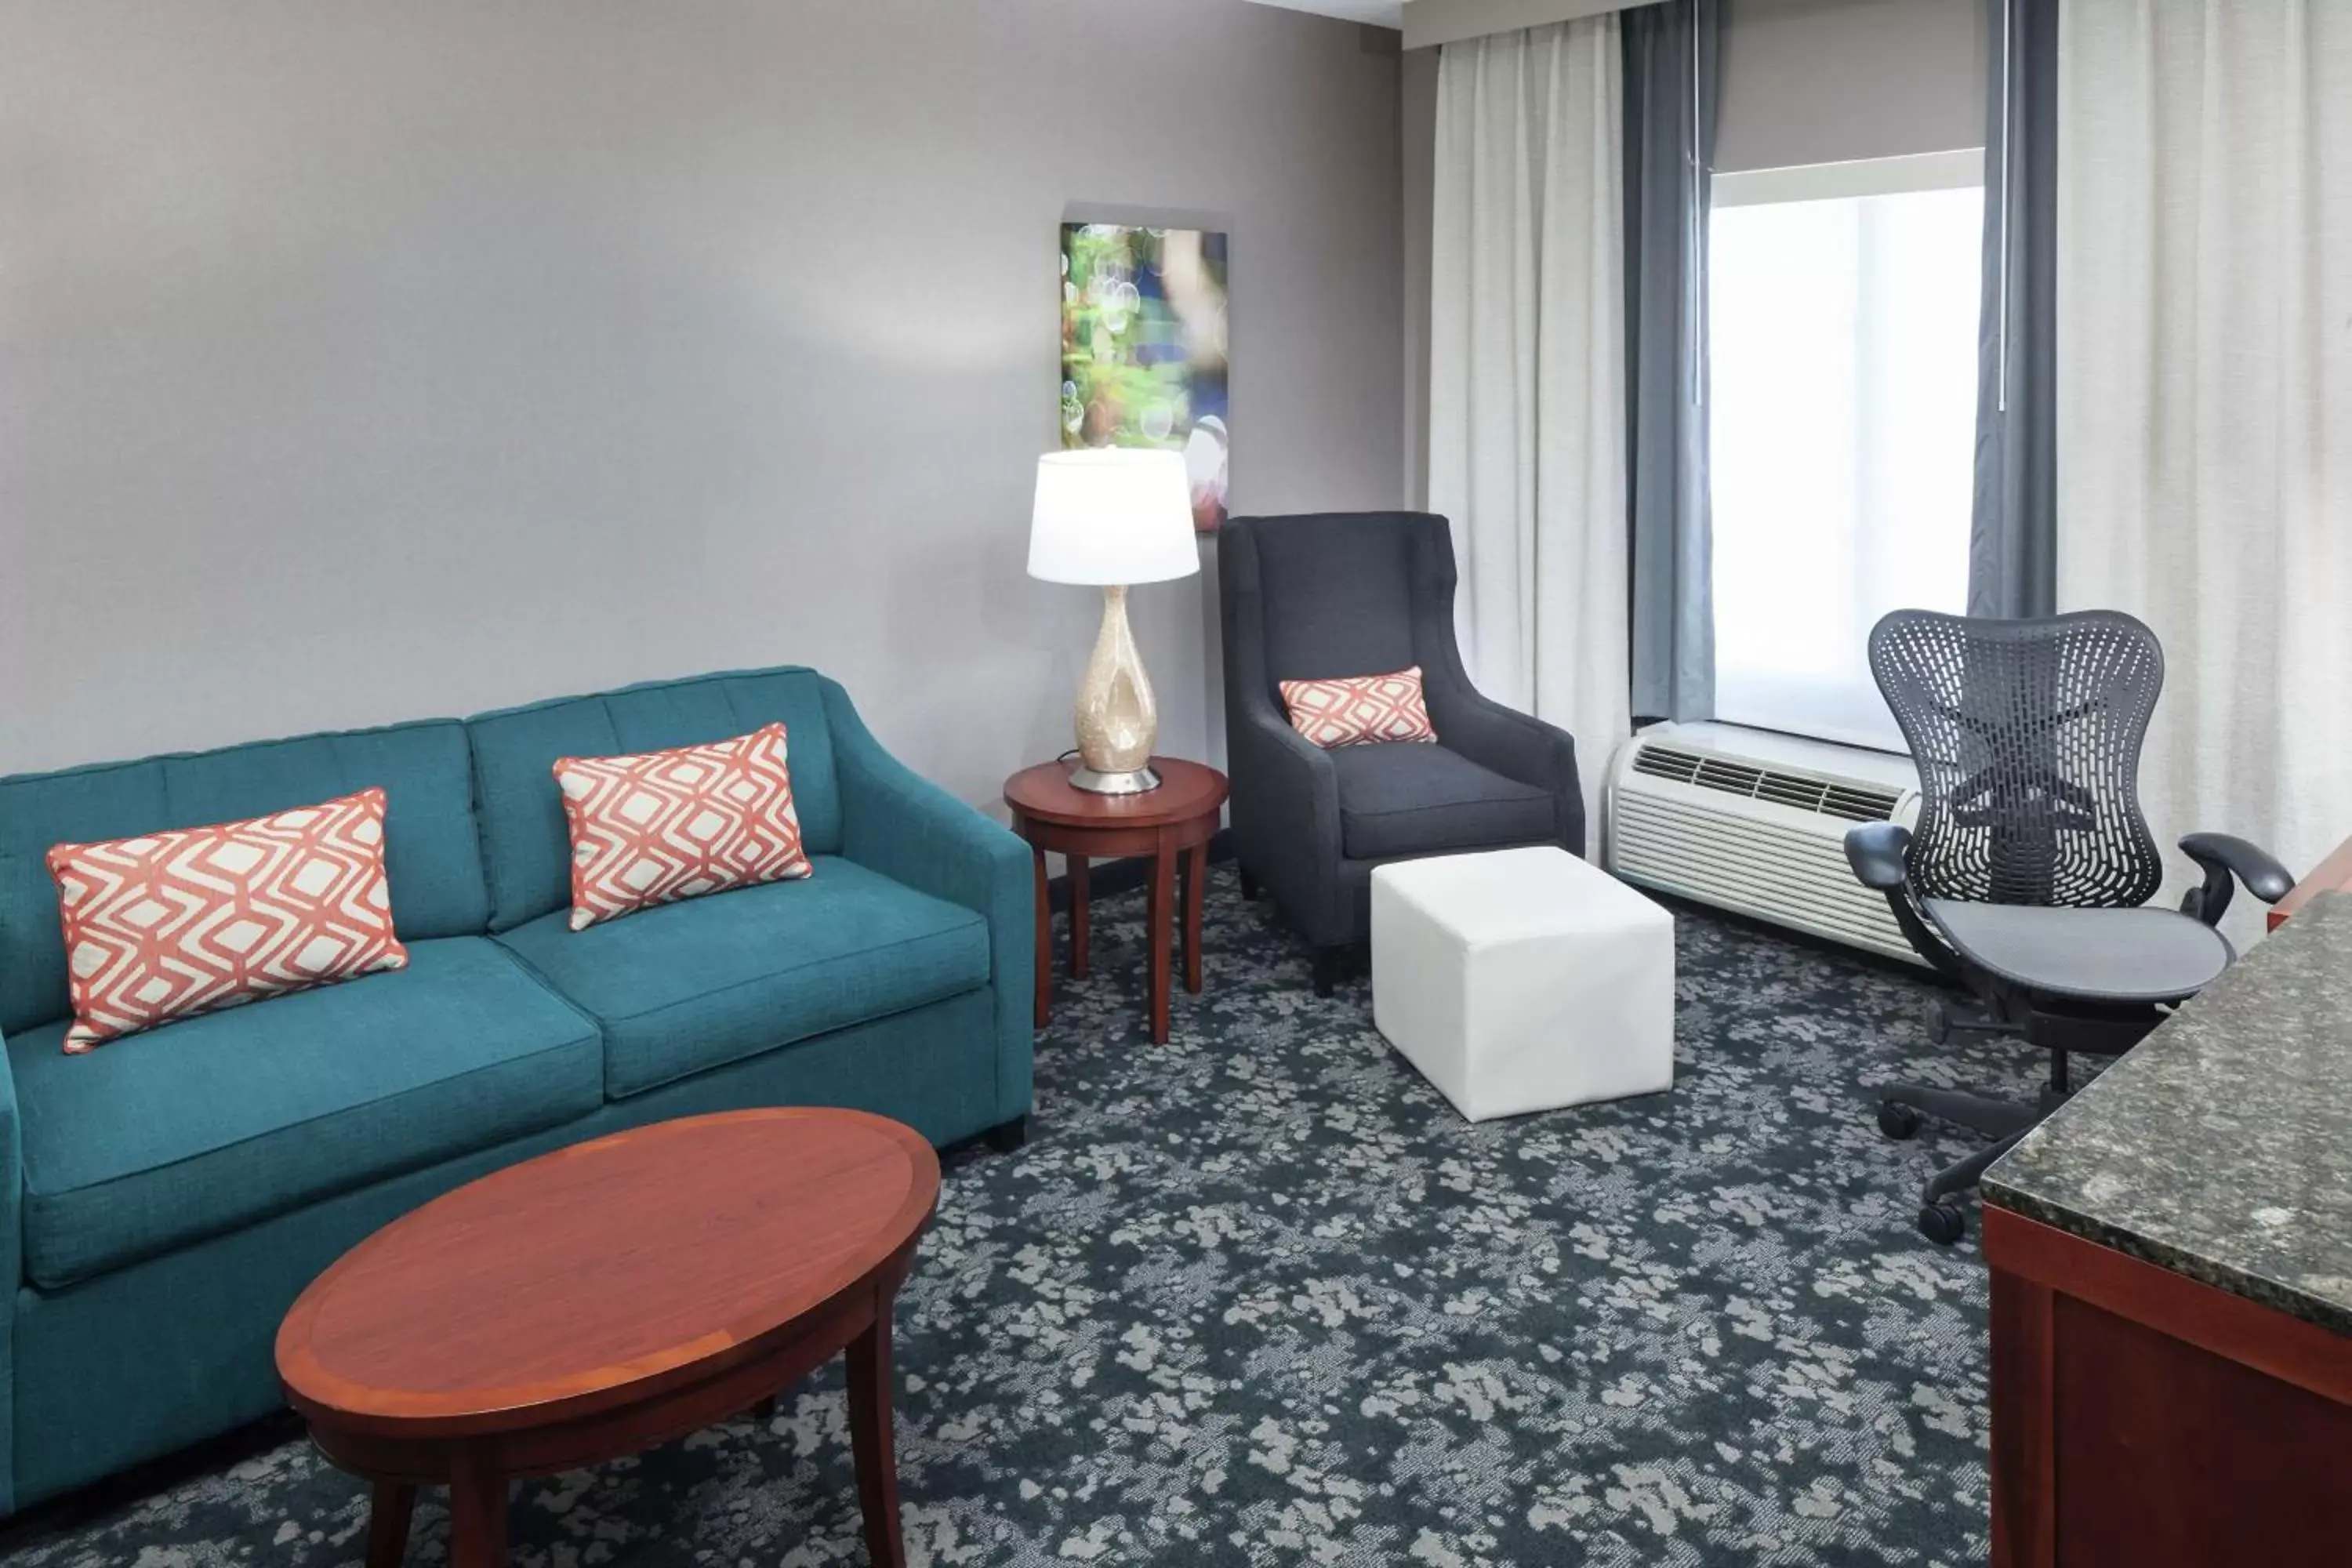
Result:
<point x="2225" y="856"/>
<point x="1875" y="850"/>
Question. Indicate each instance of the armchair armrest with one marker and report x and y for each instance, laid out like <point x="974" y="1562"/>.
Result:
<point x="903" y="826"/>
<point x="1520" y="746"/>
<point x="1502" y="740"/>
<point x="1286" y="815"/>
<point x="1282" y="757"/>
<point x="2226" y="860"/>
<point x="1876" y="851"/>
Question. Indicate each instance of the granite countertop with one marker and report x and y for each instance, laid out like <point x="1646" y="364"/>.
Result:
<point x="2220" y="1147"/>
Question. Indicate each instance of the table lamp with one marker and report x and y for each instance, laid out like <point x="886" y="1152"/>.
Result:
<point x="1111" y="517"/>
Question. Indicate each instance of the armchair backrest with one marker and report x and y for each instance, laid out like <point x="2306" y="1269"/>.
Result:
<point x="1335" y="593"/>
<point x="2027" y="735"/>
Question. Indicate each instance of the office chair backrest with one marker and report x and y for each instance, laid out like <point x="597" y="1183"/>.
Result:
<point x="2027" y="734"/>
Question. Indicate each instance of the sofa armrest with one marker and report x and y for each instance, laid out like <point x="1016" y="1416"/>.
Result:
<point x="901" y="824"/>
<point x="12" y="1271"/>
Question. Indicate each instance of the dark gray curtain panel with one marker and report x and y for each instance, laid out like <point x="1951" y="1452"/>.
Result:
<point x="1672" y="77"/>
<point x="2013" y="541"/>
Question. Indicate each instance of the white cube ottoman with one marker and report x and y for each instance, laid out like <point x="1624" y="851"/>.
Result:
<point x="1523" y="980"/>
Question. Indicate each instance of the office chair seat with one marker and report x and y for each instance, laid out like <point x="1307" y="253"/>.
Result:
<point x="2123" y="956"/>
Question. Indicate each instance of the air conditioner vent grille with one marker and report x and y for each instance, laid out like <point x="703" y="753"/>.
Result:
<point x="1859" y="805"/>
<point x="1801" y="791"/>
<point x="1666" y="763"/>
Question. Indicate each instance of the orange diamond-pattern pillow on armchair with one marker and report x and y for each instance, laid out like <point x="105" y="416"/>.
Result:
<point x="168" y="925"/>
<point x="662" y="825"/>
<point x="1358" y="709"/>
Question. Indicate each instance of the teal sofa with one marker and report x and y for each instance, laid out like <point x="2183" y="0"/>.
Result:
<point x="164" y="1198"/>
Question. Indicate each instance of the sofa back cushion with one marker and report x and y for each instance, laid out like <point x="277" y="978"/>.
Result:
<point x="432" y="858"/>
<point x="525" y="843"/>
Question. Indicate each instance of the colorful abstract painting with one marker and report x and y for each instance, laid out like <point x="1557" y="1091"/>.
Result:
<point x="1144" y="350"/>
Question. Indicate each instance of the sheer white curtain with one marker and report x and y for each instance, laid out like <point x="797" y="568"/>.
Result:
<point x="1527" y="399"/>
<point x="2205" y="395"/>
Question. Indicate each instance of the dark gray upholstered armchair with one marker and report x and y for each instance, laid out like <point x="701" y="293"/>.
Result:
<point x="1343" y="594"/>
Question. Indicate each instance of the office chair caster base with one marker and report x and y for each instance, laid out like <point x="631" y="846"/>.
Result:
<point x="1942" y="1223"/>
<point x="1946" y="1019"/>
<point x="1899" y="1123"/>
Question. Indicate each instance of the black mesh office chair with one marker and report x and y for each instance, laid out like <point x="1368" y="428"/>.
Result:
<point x="2026" y="879"/>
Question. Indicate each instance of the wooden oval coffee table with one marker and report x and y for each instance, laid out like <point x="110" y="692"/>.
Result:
<point x="605" y="1298"/>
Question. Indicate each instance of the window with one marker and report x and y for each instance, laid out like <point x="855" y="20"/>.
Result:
<point x="1842" y="360"/>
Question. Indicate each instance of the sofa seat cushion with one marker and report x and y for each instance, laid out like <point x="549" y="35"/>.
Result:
<point x="213" y="1123"/>
<point x="693" y="985"/>
<point x="1400" y="798"/>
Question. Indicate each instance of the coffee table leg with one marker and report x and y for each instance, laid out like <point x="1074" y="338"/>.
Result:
<point x="1163" y="895"/>
<point x="477" y="1516"/>
<point x="1081" y="916"/>
<point x="870" y="1443"/>
<point x="1044" y="942"/>
<point x="388" y="1516"/>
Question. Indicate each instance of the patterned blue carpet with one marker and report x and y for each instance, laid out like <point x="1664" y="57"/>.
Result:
<point x="1260" y="1297"/>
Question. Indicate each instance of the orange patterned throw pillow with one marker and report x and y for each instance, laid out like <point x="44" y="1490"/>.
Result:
<point x="1357" y="708"/>
<point x="169" y="925"/>
<point x="664" y="826"/>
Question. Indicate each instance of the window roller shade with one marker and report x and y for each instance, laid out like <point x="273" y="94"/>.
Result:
<point x="1831" y="81"/>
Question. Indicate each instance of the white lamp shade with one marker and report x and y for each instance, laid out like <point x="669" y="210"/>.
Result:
<point x="1112" y="516"/>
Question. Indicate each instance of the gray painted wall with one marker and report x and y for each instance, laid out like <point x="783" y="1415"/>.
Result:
<point x="361" y="361"/>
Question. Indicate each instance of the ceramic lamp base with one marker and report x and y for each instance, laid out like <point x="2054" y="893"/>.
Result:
<point x="1134" y="781"/>
<point x="1118" y="718"/>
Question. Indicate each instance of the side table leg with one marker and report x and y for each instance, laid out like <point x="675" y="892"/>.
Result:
<point x="478" y="1515"/>
<point x="1044" y="942"/>
<point x="388" y="1516"/>
<point x="1163" y="895"/>
<point x="1081" y="915"/>
<point x="870" y="1443"/>
<point x="1196" y="875"/>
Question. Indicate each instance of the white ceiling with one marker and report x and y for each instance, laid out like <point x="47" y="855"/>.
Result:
<point x="1380" y="13"/>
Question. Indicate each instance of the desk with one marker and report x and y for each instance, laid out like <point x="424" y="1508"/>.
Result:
<point x="2171" y="1262"/>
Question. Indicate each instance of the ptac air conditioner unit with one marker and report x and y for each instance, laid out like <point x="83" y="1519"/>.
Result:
<point x="1755" y="822"/>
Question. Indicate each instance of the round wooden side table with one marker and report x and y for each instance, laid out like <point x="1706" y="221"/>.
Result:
<point x="1176" y="820"/>
<point x="606" y="1298"/>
